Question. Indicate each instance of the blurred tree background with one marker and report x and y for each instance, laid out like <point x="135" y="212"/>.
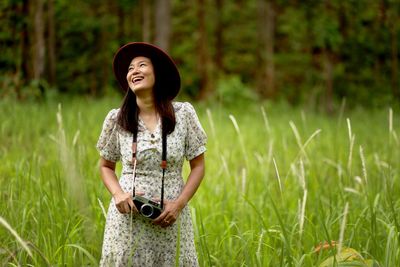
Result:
<point x="312" y="52"/>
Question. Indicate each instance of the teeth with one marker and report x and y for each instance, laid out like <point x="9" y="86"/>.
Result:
<point x="137" y="79"/>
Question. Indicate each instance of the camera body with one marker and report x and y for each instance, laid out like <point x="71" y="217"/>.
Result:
<point x="147" y="207"/>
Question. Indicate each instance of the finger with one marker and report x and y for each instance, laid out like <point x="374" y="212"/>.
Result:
<point x="127" y="209"/>
<point x="132" y="205"/>
<point x="119" y="209"/>
<point x="167" y="222"/>
<point x="139" y="193"/>
<point x="118" y="206"/>
<point x="160" y="218"/>
<point x="163" y="223"/>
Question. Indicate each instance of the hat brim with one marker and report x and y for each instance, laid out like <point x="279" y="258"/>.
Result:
<point x="166" y="71"/>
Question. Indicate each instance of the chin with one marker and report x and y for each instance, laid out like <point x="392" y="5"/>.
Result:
<point x="138" y="90"/>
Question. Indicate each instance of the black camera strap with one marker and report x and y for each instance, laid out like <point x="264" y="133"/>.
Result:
<point x="163" y="159"/>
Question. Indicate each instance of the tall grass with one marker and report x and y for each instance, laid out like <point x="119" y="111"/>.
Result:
<point x="280" y="182"/>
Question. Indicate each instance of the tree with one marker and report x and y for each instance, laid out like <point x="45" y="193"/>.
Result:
<point x="39" y="41"/>
<point x="203" y="54"/>
<point x="326" y="46"/>
<point x="393" y="24"/>
<point x="163" y="24"/>
<point x="219" y="38"/>
<point x="314" y="51"/>
<point x="146" y="20"/>
<point x="121" y="23"/>
<point x="51" y="44"/>
<point x="25" y="58"/>
<point x="266" y="35"/>
<point x="100" y="64"/>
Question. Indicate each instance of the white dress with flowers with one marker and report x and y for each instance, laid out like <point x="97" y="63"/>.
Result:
<point x="134" y="240"/>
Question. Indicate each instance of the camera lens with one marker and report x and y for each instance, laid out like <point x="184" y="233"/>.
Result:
<point x="146" y="210"/>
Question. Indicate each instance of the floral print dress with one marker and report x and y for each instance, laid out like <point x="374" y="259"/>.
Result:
<point x="134" y="240"/>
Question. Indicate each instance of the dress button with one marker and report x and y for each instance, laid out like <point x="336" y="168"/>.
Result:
<point x="152" y="135"/>
<point x="152" y="141"/>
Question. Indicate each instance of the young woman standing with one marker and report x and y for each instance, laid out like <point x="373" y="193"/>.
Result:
<point x="133" y="134"/>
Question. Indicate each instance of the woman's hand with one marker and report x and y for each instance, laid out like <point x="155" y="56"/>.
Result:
<point x="172" y="209"/>
<point x="124" y="202"/>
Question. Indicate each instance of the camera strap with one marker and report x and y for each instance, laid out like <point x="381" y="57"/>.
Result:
<point x="163" y="159"/>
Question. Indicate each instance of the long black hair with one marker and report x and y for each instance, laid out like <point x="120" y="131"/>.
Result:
<point x="129" y="111"/>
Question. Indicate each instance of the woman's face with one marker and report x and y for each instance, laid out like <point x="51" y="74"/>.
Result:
<point x="140" y="75"/>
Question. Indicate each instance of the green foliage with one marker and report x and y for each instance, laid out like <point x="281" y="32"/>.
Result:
<point x="348" y="257"/>
<point x="231" y="90"/>
<point x="359" y="37"/>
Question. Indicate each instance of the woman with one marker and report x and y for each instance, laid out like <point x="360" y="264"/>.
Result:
<point x="151" y="81"/>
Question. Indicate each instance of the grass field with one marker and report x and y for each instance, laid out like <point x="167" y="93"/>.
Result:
<point x="280" y="182"/>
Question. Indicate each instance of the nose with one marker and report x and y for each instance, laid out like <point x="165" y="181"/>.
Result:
<point x="135" y="71"/>
<point x="131" y="73"/>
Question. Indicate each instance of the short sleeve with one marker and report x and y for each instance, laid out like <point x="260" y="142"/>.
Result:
<point x="108" y="143"/>
<point x="196" y="138"/>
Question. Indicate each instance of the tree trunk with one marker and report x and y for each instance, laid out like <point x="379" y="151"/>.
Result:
<point x="203" y="58"/>
<point x="104" y="60"/>
<point x="328" y="75"/>
<point x="39" y="42"/>
<point x="393" y="27"/>
<point x="269" y="46"/>
<point x="99" y="64"/>
<point x="266" y="30"/>
<point x="328" y="65"/>
<point x="121" y="25"/>
<point x="23" y="71"/>
<point x="25" y="44"/>
<point x="163" y="24"/>
<point x="219" y="41"/>
<point x="51" y="43"/>
<point x="146" y="20"/>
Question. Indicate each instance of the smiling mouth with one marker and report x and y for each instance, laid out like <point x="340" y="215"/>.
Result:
<point x="137" y="79"/>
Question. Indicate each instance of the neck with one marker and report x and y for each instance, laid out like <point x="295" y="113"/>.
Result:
<point x="146" y="105"/>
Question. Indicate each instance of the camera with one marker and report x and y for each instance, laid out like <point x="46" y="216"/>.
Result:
<point x="146" y="207"/>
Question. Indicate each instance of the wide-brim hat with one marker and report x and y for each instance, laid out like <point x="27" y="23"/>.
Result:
<point x="167" y="74"/>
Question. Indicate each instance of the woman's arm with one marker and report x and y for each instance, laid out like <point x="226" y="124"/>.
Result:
<point x="123" y="200"/>
<point x="174" y="207"/>
<point x="197" y="168"/>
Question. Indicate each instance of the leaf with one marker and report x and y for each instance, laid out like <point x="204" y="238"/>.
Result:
<point x="347" y="257"/>
<point x="372" y="263"/>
